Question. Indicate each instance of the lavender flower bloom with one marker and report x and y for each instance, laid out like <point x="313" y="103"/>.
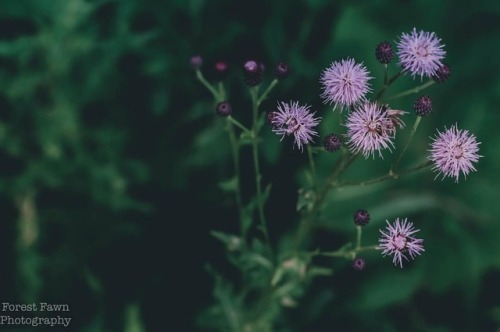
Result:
<point x="297" y="120"/>
<point x="369" y="129"/>
<point x="420" y="53"/>
<point x="398" y="240"/>
<point x="454" y="151"/>
<point x="345" y="83"/>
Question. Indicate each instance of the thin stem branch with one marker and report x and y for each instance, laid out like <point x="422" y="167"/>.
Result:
<point x="410" y="138"/>
<point x="209" y="86"/>
<point x="239" y="125"/>
<point x="222" y="92"/>
<point x="412" y="91"/>
<point x="390" y="175"/>
<point x="387" y="85"/>
<point x="332" y="180"/>
<point x="349" y="254"/>
<point x="385" y="74"/>
<point x="358" y="236"/>
<point x="235" y="151"/>
<point x="258" y="176"/>
<point x="311" y="164"/>
<point x="266" y="92"/>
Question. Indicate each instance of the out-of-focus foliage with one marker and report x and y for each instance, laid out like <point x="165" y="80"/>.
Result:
<point x="111" y="159"/>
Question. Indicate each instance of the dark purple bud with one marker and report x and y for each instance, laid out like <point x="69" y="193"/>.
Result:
<point x="423" y="106"/>
<point x="361" y="217"/>
<point x="221" y="70"/>
<point x="332" y="142"/>
<point x="196" y="62"/>
<point x="384" y="52"/>
<point x="358" y="264"/>
<point x="281" y="70"/>
<point x="224" y="109"/>
<point x="442" y="74"/>
<point x="252" y="73"/>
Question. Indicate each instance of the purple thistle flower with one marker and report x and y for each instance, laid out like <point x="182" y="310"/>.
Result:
<point x="398" y="241"/>
<point x="297" y="120"/>
<point x="345" y="83"/>
<point x="369" y="129"/>
<point x="420" y="53"/>
<point x="453" y="151"/>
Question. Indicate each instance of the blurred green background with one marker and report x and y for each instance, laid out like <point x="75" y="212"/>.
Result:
<point x="110" y="158"/>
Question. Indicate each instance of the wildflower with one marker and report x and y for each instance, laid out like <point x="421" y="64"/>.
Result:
<point x="361" y="217"/>
<point x="252" y="73"/>
<point x="454" y="151"/>
<point x="296" y="120"/>
<point x="345" y="83"/>
<point x="281" y="70"/>
<point x="420" y="53"/>
<point x="221" y="70"/>
<point x="384" y="52"/>
<point x="332" y="142"/>
<point x="224" y="108"/>
<point x="423" y="106"/>
<point x="369" y="129"/>
<point x="398" y="241"/>
<point x="442" y="74"/>
<point x="358" y="264"/>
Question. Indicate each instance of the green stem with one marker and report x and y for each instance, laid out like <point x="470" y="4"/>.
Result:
<point x="215" y="93"/>
<point x="412" y="133"/>
<point x="312" y="165"/>
<point x="387" y="85"/>
<point x="358" y="236"/>
<point x="349" y="254"/>
<point x="239" y="125"/>
<point x="412" y="91"/>
<point x="264" y="95"/>
<point x="308" y="220"/>
<point x="258" y="176"/>
<point x="222" y="92"/>
<point x="390" y="175"/>
<point x="236" y="164"/>
<point x="385" y="74"/>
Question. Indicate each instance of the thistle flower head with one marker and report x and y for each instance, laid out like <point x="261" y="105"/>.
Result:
<point x="345" y="83"/>
<point x="420" y="53"/>
<point x="399" y="242"/>
<point x="453" y="152"/>
<point x="294" y="119"/>
<point x="369" y="129"/>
